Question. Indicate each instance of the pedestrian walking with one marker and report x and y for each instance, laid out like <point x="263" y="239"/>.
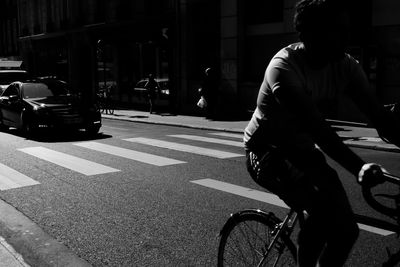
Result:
<point x="209" y="91"/>
<point x="151" y="87"/>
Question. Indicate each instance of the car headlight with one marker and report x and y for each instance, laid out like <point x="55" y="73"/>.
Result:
<point x="38" y="107"/>
<point x="40" y="111"/>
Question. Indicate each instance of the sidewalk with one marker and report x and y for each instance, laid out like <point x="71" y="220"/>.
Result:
<point x="353" y="134"/>
<point x="28" y="245"/>
<point x="9" y="257"/>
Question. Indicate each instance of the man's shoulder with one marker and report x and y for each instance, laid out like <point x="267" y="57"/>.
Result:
<point x="288" y="58"/>
<point x="291" y="50"/>
<point x="291" y="54"/>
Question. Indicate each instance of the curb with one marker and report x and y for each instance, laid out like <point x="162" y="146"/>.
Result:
<point x="191" y="126"/>
<point x="366" y="145"/>
<point x="373" y="147"/>
<point x="29" y="240"/>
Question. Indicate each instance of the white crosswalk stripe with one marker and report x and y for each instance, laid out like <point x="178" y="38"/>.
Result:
<point x="130" y="154"/>
<point x="208" y="139"/>
<point x="268" y="198"/>
<point x="76" y="164"/>
<point x="10" y="178"/>
<point x="232" y="135"/>
<point x="184" y="148"/>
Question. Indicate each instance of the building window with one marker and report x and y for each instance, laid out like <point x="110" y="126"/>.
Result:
<point x="262" y="11"/>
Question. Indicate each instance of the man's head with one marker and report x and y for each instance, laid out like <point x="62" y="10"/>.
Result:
<point x="323" y="27"/>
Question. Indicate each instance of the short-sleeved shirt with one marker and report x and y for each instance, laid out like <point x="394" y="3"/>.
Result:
<point x="273" y="124"/>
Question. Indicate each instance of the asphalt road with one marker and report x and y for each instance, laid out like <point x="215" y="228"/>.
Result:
<point x="127" y="212"/>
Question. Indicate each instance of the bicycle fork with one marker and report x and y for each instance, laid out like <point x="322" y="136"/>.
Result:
<point x="283" y="228"/>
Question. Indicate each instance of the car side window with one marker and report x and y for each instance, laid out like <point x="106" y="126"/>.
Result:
<point x="141" y="84"/>
<point x="11" y="90"/>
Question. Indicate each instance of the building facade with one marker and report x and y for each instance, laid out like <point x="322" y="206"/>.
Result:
<point x="8" y="29"/>
<point x="253" y="31"/>
<point x="97" y="43"/>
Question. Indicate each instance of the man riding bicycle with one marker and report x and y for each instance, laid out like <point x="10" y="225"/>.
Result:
<point x="287" y="131"/>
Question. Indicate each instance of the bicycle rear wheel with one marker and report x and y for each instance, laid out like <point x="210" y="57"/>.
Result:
<point x="246" y="237"/>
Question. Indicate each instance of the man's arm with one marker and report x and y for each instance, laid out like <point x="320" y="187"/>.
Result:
<point x="296" y="101"/>
<point x="363" y="96"/>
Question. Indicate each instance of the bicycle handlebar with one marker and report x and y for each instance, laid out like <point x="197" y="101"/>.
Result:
<point x="370" y="199"/>
<point x="392" y="178"/>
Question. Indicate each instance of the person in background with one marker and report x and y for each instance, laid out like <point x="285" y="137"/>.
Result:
<point x="287" y="133"/>
<point x="209" y="91"/>
<point x="151" y="87"/>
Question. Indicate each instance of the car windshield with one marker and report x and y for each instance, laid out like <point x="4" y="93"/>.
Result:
<point x="40" y="90"/>
<point x="9" y="77"/>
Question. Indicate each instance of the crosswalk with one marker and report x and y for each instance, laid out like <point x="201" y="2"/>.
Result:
<point x="222" y="146"/>
<point x="185" y="148"/>
<point x="130" y="154"/>
<point x="80" y="165"/>
<point x="12" y="179"/>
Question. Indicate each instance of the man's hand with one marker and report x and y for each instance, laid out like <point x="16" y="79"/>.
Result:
<point x="371" y="174"/>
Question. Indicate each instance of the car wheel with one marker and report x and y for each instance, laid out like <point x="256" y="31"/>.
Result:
<point x="3" y="127"/>
<point x="27" y="127"/>
<point x="93" y="130"/>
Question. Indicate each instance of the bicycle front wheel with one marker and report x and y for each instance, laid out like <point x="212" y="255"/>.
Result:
<point x="246" y="238"/>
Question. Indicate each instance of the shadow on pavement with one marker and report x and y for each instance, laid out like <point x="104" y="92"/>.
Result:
<point x="137" y="117"/>
<point x="52" y="136"/>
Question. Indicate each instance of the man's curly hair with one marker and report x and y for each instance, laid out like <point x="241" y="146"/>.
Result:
<point x="309" y="14"/>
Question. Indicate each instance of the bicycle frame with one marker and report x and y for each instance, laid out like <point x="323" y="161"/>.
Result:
<point x="280" y="231"/>
<point x="286" y="228"/>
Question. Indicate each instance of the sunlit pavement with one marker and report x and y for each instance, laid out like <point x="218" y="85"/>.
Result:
<point x="353" y="134"/>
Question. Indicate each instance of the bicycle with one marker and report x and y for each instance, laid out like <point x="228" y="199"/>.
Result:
<point x="254" y="237"/>
<point x="104" y="101"/>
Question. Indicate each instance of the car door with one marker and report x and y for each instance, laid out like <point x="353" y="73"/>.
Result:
<point x="11" y="105"/>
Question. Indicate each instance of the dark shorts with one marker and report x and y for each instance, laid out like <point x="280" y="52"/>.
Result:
<point x="302" y="179"/>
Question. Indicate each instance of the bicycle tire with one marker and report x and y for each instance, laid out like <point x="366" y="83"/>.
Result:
<point x="246" y="237"/>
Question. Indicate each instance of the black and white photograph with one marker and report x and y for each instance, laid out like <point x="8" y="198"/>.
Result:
<point x="199" y="133"/>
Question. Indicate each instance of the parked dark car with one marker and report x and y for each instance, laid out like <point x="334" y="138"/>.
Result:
<point x="32" y="105"/>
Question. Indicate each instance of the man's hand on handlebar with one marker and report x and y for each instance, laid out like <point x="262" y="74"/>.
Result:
<point x="371" y="174"/>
